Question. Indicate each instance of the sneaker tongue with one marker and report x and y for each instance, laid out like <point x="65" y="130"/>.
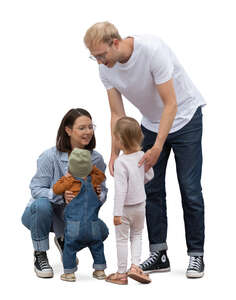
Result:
<point x="39" y="252"/>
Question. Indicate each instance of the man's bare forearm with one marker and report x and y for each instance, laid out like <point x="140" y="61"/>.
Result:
<point x="114" y="150"/>
<point x="167" y="119"/>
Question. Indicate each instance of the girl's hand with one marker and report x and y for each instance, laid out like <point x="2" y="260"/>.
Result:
<point x="117" y="220"/>
<point x="67" y="174"/>
<point x="98" y="190"/>
<point x="68" y="195"/>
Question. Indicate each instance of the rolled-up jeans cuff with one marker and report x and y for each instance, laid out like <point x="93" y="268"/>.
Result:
<point x="99" y="267"/>
<point x="195" y="253"/>
<point x="72" y="270"/>
<point x="158" y="247"/>
<point x="42" y="245"/>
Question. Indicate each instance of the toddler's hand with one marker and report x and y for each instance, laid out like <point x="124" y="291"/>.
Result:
<point x="68" y="195"/>
<point x="117" y="221"/>
<point x="98" y="190"/>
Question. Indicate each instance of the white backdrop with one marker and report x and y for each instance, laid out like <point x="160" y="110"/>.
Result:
<point x="45" y="71"/>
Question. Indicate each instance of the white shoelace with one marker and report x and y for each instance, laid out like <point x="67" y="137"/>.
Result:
<point x="152" y="258"/>
<point x="195" y="263"/>
<point x="43" y="261"/>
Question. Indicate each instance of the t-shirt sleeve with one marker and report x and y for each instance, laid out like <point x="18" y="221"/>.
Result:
<point x="161" y="65"/>
<point x="104" y="79"/>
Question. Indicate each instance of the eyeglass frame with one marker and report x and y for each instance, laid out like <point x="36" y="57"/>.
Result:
<point x="90" y="127"/>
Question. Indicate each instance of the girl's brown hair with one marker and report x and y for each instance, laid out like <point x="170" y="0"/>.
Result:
<point x="129" y="132"/>
<point x="63" y="140"/>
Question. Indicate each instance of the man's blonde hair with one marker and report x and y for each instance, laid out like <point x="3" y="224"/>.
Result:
<point x="103" y="32"/>
<point x="129" y="132"/>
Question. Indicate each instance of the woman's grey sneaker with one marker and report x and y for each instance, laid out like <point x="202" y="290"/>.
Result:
<point x="41" y="265"/>
<point x="195" y="267"/>
<point x="60" y="246"/>
<point x="157" y="262"/>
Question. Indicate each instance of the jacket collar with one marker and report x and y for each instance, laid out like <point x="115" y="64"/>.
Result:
<point x="64" y="156"/>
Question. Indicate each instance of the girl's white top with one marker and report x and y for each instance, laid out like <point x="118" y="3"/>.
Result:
<point x="129" y="181"/>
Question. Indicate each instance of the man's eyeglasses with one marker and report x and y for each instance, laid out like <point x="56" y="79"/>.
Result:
<point x="100" y="57"/>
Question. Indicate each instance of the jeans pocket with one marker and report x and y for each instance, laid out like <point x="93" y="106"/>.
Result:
<point x="99" y="230"/>
<point x="72" y="229"/>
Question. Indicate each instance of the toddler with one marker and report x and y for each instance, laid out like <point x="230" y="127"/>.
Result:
<point x="129" y="202"/>
<point x="83" y="228"/>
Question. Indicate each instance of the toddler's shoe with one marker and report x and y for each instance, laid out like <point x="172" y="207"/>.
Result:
<point x="68" y="277"/>
<point x="99" y="274"/>
<point x="137" y="274"/>
<point x="118" y="278"/>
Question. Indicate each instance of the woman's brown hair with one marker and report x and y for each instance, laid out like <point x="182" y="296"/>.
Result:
<point x="63" y="140"/>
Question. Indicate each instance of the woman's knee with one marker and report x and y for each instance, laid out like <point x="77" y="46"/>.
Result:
<point x="42" y="207"/>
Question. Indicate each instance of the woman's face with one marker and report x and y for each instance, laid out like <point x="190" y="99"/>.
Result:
<point x="81" y="133"/>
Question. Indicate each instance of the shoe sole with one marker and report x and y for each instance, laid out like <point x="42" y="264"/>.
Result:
<point x="59" y="248"/>
<point x="42" y="274"/>
<point x="195" y="275"/>
<point x="119" y="283"/>
<point x="157" y="271"/>
<point x="99" y="278"/>
<point x="68" y="279"/>
<point x="139" y="279"/>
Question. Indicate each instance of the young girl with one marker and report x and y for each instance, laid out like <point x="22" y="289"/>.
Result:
<point x="129" y="202"/>
<point x="83" y="228"/>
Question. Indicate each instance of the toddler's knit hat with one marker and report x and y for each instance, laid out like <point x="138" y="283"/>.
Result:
<point x="80" y="164"/>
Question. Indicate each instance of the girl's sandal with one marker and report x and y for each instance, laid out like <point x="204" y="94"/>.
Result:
<point x="117" y="278"/>
<point x="137" y="274"/>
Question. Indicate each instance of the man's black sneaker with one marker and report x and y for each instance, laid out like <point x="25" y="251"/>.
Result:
<point x="196" y="267"/>
<point x="41" y="265"/>
<point x="60" y="246"/>
<point x="157" y="262"/>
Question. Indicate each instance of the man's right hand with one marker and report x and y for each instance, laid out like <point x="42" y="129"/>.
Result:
<point x="68" y="195"/>
<point x="111" y="164"/>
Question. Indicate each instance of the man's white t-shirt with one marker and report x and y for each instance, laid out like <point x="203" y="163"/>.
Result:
<point x="151" y="63"/>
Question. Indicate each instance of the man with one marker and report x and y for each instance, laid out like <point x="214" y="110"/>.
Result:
<point x="148" y="74"/>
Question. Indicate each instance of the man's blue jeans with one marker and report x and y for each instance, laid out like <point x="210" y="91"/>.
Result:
<point x="187" y="148"/>
<point x="38" y="219"/>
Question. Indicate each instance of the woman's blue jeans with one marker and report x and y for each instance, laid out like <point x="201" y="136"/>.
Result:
<point x="187" y="148"/>
<point x="38" y="219"/>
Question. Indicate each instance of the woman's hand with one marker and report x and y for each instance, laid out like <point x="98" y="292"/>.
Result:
<point x="117" y="220"/>
<point x="68" y="195"/>
<point x="98" y="190"/>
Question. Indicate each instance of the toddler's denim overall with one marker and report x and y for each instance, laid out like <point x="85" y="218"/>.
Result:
<point x="83" y="228"/>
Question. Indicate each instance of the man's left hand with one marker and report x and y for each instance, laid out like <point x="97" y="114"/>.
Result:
<point x="150" y="158"/>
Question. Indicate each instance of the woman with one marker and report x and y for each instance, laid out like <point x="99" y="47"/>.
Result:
<point x="44" y="213"/>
